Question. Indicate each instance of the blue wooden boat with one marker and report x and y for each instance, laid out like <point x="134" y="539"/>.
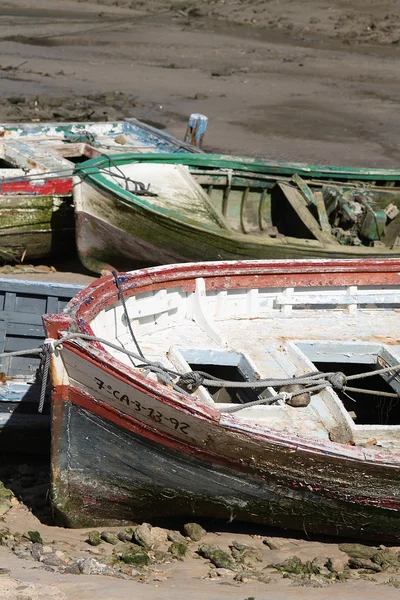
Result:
<point x="22" y="304"/>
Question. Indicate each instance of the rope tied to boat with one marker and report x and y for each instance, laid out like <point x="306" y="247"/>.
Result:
<point x="188" y="383"/>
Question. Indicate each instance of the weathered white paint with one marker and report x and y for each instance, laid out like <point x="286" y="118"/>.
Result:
<point x="276" y="330"/>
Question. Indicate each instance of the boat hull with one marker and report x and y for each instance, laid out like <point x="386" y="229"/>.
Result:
<point x="127" y="447"/>
<point x="128" y="477"/>
<point x="112" y="234"/>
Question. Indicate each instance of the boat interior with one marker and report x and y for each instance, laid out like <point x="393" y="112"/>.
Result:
<point x="355" y="214"/>
<point x="247" y="334"/>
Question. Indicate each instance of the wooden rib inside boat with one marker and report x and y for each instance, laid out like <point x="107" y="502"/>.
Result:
<point x="141" y="427"/>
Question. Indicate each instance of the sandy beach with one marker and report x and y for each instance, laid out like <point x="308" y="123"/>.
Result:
<point x="312" y="81"/>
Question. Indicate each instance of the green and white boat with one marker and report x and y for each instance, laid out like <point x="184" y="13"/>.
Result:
<point x="141" y="210"/>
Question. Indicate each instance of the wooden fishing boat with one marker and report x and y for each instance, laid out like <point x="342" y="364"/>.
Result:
<point x="165" y="209"/>
<point x="36" y="165"/>
<point x="81" y="141"/>
<point x="226" y="389"/>
<point x="22" y="304"/>
<point x="36" y="212"/>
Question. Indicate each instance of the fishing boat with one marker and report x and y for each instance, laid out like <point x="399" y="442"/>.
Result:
<point x="263" y="391"/>
<point x="165" y="209"/>
<point x="22" y="303"/>
<point x="36" y="212"/>
<point x="36" y="165"/>
<point x="79" y="141"/>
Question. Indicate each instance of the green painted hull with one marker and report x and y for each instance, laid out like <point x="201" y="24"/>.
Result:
<point x="33" y="227"/>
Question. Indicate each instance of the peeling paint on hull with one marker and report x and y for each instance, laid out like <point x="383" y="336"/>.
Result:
<point x="126" y="447"/>
<point x="106" y="475"/>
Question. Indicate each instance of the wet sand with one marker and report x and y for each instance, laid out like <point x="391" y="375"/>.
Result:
<point x="313" y="81"/>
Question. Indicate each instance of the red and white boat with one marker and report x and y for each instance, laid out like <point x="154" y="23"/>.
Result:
<point x="145" y="423"/>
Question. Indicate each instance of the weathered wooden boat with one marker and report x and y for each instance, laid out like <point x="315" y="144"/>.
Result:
<point x="165" y="209"/>
<point x="226" y="389"/>
<point x="22" y="304"/>
<point x="36" y="165"/>
<point x="36" y="212"/>
<point x="81" y="141"/>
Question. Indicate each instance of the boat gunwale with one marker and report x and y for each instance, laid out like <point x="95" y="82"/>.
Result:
<point x="247" y="164"/>
<point x="78" y="313"/>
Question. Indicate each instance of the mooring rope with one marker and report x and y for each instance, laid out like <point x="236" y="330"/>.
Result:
<point x="189" y="382"/>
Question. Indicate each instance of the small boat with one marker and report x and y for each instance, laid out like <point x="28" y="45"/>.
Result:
<point x="81" y="141"/>
<point x="22" y="304"/>
<point x="36" y="211"/>
<point x="165" y="209"/>
<point x="263" y="391"/>
<point x="36" y="166"/>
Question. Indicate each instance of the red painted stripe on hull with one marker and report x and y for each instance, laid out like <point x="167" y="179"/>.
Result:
<point x="60" y="187"/>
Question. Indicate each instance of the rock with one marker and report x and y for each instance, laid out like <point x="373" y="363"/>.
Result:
<point x="299" y="400"/>
<point x="243" y="577"/>
<point x="358" y="550"/>
<point x="194" y="531"/>
<point x="160" y="556"/>
<point x="217" y="556"/>
<point x="73" y="569"/>
<point x="110" y="538"/>
<point x="35" y="537"/>
<point x="5" y="506"/>
<point x="126" y="535"/>
<point x="52" y="560"/>
<point x="61" y="555"/>
<point x="224" y="572"/>
<point x="389" y="560"/>
<point x="239" y="546"/>
<point x="364" y="563"/>
<point x="47" y="550"/>
<point x="37" y="551"/>
<point x="143" y="536"/>
<point x="393" y="582"/>
<point x="140" y="559"/>
<point x="251" y="558"/>
<point x="173" y="536"/>
<point x="294" y="565"/>
<point x="320" y="563"/>
<point x="91" y="566"/>
<point x="273" y="543"/>
<point x="120" y="139"/>
<point x="336" y="564"/>
<point x="94" y="538"/>
<point x="178" y="549"/>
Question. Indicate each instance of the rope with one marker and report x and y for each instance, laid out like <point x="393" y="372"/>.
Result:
<point x="372" y="373"/>
<point x="128" y="321"/>
<point x="372" y="392"/>
<point x="22" y="352"/>
<point x="189" y="382"/>
<point x="258" y="383"/>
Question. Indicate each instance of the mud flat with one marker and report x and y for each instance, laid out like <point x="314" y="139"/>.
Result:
<point x="314" y="81"/>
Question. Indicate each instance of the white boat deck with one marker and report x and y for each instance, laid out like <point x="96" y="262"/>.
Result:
<point x="275" y="333"/>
